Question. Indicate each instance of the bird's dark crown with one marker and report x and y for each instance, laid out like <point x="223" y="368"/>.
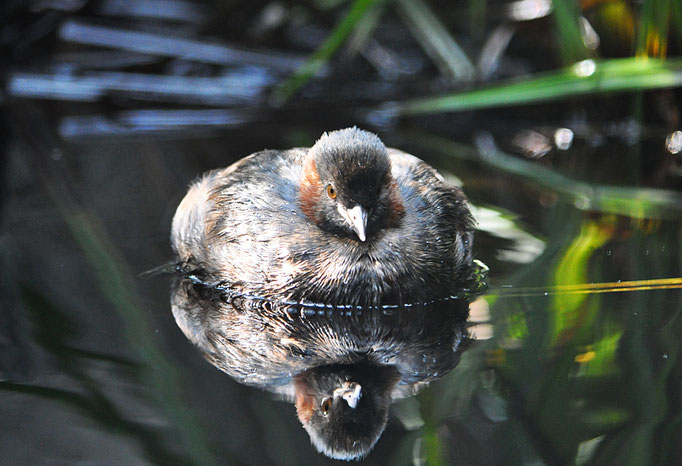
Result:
<point x="345" y="169"/>
<point x="355" y="162"/>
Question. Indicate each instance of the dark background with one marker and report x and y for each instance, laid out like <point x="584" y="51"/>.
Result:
<point x="101" y="133"/>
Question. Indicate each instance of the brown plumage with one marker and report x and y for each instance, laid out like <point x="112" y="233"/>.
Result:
<point x="301" y="270"/>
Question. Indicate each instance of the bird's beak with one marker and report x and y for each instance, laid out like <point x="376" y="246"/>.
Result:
<point x="350" y="392"/>
<point x="357" y="218"/>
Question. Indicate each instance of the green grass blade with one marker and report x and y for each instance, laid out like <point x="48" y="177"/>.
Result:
<point x="435" y="40"/>
<point x="108" y="272"/>
<point x="113" y="280"/>
<point x="570" y="39"/>
<point x="364" y="29"/>
<point x="322" y="55"/>
<point x="584" y="78"/>
<point x="652" y="38"/>
<point x="629" y="202"/>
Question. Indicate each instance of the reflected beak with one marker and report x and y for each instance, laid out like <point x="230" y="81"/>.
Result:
<point x="351" y="392"/>
<point x="357" y="218"/>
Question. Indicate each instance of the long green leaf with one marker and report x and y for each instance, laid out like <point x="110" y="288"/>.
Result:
<point x="322" y="55"/>
<point x="631" y="202"/>
<point x="584" y="78"/>
<point x="570" y="39"/>
<point x="113" y="281"/>
<point x="435" y="39"/>
<point x="654" y="24"/>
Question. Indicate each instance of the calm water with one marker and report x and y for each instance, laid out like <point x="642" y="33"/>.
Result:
<point x="577" y="351"/>
<point x="95" y="370"/>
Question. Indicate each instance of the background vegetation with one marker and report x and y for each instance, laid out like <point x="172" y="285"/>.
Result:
<point x="560" y="118"/>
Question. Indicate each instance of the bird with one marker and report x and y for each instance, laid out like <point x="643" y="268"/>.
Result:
<point x="332" y="275"/>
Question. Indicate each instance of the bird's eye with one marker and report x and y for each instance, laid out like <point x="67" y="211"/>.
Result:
<point x="326" y="406"/>
<point x="331" y="192"/>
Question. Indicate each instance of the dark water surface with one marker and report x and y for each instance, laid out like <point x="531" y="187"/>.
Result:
<point x="94" y="370"/>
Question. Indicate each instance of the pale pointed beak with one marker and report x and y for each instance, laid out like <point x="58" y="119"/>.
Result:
<point x="351" y="392"/>
<point x="357" y="218"/>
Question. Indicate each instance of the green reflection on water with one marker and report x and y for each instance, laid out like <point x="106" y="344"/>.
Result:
<point x="582" y="378"/>
<point x="572" y="269"/>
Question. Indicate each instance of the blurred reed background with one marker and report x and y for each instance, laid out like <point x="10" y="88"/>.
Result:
<point x="560" y="118"/>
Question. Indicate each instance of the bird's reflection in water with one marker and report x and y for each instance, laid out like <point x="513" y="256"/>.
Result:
<point x="342" y="367"/>
<point x="347" y="222"/>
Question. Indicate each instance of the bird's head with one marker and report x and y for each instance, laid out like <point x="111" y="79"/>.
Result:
<point x="347" y="187"/>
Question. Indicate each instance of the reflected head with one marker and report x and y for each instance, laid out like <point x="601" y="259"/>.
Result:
<point x="344" y="408"/>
